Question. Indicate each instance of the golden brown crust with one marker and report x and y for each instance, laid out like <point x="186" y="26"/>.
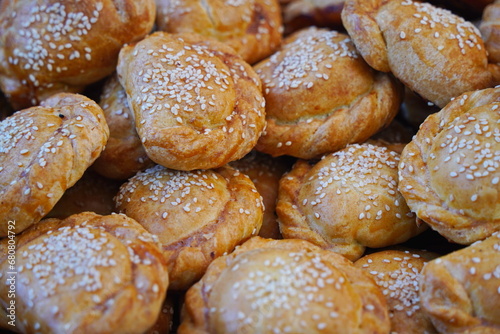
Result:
<point x="197" y="215"/>
<point x="253" y="28"/>
<point x="124" y="155"/>
<point x="197" y="104"/>
<point x="92" y="192"/>
<point x="446" y="53"/>
<point x="346" y="202"/>
<point x="48" y="47"/>
<point x="449" y="173"/>
<point x="265" y="172"/>
<point x="490" y="31"/>
<point x="460" y="291"/>
<point x="270" y="286"/>
<point x="321" y="96"/>
<point x="110" y="265"/>
<point x="397" y="273"/>
<point x="45" y="150"/>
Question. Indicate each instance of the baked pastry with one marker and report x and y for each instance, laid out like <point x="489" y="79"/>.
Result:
<point x="124" y="155"/>
<point x="197" y="215"/>
<point x="397" y="273"/>
<point x="321" y="95"/>
<point x="284" y="286"/>
<point x="446" y="53"/>
<point x="449" y="172"/>
<point x="92" y="192"/>
<point x="265" y="172"/>
<point x="44" y="151"/>
<point x="197" y="104"/>
<point x="460" y="291"/>
<point x="346" y="202"/>
<point x="83" y="275"/>
<point x="253" y="28"/>
<point x="48" y="47"/>
<point x="298" y="14"/>
<point x="490" y="31"/>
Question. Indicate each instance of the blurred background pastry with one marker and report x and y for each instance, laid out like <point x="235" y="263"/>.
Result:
<point x="51" y="46"/>
<point x="253" y="28"/>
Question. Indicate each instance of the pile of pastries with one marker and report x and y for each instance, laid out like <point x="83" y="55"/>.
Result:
<point x="250" y="166"/>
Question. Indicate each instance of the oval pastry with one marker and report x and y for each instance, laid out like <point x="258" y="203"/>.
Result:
<point x="44" y="150"/>
<point x="449" y="173"/>
<point x="433" y="52"/>
<point x="197" y="104"/>
<point x="321" y="95"/>
<point x="252" y="28"/>
<point x="460" y="292"/>
<point x="197" y="215"/>
<point x="284" y="286"/>
<point x="346" y="202"/>
<point x="49" y="46"/>
<point x="83" y="275"/>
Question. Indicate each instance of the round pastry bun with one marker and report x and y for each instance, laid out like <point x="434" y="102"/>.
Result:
<point x="253" y="28"/>
<point x="321" y="95"/>
<point x="197" y="215"/>
<point x="48" y="46"/>
<point x="434" y="52"/>
<point x="45" y="150"/>
<point x="449" y="173"/>
<point x="346" y="202"/>
<point x="84" y="274"/>
<point x="279" y="286"/>
<point x="197" y="104"/>
<point x="460" y="291"/>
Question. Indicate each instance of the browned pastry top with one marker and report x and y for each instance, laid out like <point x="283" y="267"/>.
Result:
<point x="446" y="53"/>
<point x="279" y="286"/>
<point x="197" y="215"/>
<point x="253" y="28"/>
<point x="197" y="104"/>
<point x="44" y="151"/>
<point x="51" y="46"/>
<point x="84" y="274"/>
<point x="347" y="201"/>
<point x="321" y="96"/>
<point x="449" y="174"/>
<point x="460" y="292"/>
